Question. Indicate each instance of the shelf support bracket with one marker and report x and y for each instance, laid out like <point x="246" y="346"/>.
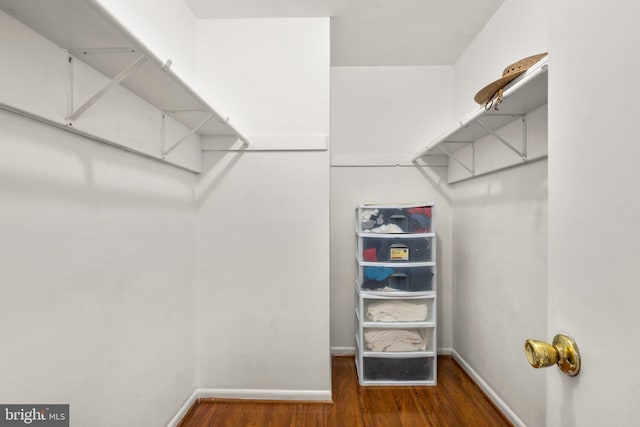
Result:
<point x="113" y="82"/>
<point x="452" y="156"/>
<point x="184" y="138"/>
<point x="504" y="141"/>
<point x="525" y="148"/>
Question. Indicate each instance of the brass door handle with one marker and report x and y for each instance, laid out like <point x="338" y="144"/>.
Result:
<point x="562" y="352"/>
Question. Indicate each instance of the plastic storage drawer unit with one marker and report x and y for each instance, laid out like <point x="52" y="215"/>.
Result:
<point x="395" y="287"/>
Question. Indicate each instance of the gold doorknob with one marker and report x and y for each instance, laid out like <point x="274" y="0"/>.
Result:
<point x="562" y="352"/>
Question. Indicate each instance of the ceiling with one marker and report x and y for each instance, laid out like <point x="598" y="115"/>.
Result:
<point x="375" y="32"/>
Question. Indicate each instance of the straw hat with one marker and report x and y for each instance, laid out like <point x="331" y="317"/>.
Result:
<point x="487" y="93"/>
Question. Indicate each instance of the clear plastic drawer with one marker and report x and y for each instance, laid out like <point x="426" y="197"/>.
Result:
<point x="395" y="277"/>
<point x="398" y="369"/>
<point x="394" y="219"/>
<point x="398" y="310"/>
<point x="398" y="340"/>
<point x="390" y="248"/>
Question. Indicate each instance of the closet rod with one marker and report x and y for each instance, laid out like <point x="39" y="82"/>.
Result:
<point x="73" y="130"/>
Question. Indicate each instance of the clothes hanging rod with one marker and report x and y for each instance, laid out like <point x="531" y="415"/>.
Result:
<point x="75" y="131"/>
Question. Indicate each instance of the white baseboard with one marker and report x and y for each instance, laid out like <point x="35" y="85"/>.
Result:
<point x="445" y="351"/>
<point x="343" y="351"/>
<point x="249" y="394"/>
<point x="488" y="390"/>
<point x="262" y="394"/>
<point x="183" y="409"/>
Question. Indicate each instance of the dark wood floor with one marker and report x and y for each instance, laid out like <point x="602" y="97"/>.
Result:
<point x="456" y="401"/>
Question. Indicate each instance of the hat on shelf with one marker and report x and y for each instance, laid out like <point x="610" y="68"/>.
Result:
<point x="487" y="94"/>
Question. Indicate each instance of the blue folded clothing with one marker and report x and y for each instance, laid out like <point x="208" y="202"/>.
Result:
<point x="378" y="273"/>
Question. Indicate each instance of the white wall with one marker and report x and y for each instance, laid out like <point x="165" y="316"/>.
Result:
<point x="385" y="115"/>
<point x="500" y="275"/>
<point x="594" y="206"/>
<point x="268" y="75"/>
<point x="263" y="295"/>
<point x="382" y="116"/>
<point x="97" y="278"/>
<point x="499" y="230"/>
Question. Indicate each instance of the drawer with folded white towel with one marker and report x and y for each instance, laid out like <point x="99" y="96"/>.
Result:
<point x="380" y="311"/>
<point x="398" y="340"/>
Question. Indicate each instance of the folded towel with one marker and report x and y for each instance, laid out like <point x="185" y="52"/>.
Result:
<point x="396" y="311"/>
<point x="395" y="340"/>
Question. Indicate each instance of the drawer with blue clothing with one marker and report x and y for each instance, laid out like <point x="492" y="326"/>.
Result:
<point x="394" y="277"/>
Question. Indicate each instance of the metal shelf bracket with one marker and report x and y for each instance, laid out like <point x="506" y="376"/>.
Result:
<point x="523" y="153"/>
<point x="72" y="114"/>
<point x="192" y="131"/>
<point x="452" y="156"/>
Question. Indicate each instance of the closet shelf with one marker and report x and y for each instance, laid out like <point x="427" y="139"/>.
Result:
<point x="90" y="33"/>
<point x="523" y="95"/>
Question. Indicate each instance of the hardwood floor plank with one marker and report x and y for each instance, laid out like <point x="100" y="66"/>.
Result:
<point x="456" y="401"/>
<point x="392" y="406"/>
<point x="346" y="410"/>
<point x="379" y="408"/>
